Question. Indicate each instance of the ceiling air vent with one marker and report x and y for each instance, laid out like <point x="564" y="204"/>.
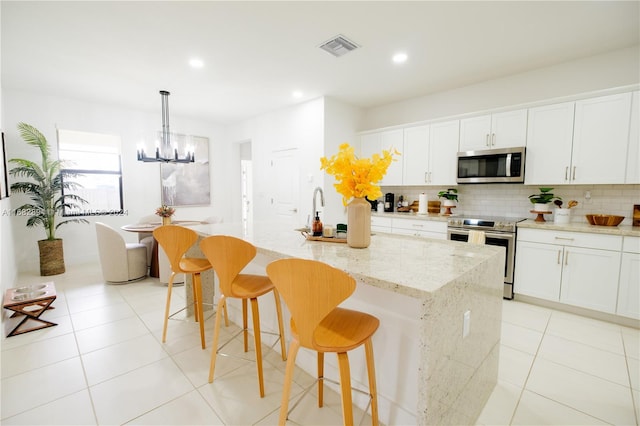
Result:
<point x="338" y="46"/>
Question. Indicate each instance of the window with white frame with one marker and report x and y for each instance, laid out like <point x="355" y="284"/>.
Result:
<point x="94" y="159"/>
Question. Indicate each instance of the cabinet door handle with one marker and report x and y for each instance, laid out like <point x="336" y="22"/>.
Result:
<point x="426" y="179"/>
<point x="415" y="225"/>
<point x="563" y="238"/>
<point x="558" y="261"/>
<point x="493" y="139"/>
<point x="566" y="258"/>
<point x="429" y="177"/>
<point x="574" y="173"/>
<point x="566" y="172"/>
<point x="486" y="142"/>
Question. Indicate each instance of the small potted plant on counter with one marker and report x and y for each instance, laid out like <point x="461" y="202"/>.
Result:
<point x="450" y="196"/>
<point x="541" y="202"/>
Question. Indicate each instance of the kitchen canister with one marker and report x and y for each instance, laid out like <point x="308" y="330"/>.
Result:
<point x="423" y="204"/>
<point x="561" y="216"/>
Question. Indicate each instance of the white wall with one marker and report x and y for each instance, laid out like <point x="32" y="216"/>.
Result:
<point x="299" y="127"/>
<point x="341" y="124"/>
<point x="316" y="128"/>
<point x="613" y="69"/>
<point x="141" y="181"/>
<point x="8" y="267"/>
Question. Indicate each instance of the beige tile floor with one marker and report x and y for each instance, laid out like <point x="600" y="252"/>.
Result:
<point x="104" y="364"/>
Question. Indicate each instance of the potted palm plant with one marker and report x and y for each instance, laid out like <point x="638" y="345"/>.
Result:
<point x="47" y="188"/>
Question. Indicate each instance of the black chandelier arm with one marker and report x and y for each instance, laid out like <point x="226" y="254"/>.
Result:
<point x="189" y="156"/>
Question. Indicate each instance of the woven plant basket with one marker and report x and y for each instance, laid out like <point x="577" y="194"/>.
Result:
<point x="51" y="257"/>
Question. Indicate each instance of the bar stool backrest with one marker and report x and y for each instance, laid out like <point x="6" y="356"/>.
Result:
<point x="311" y="290"/>
<point x="175" y="241"/>
<point x="228" y="256"/>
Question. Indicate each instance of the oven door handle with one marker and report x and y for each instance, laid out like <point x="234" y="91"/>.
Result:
<point x="486" y="234"/>
<point x="508" y="166"/>
<point x="499" y="236"/>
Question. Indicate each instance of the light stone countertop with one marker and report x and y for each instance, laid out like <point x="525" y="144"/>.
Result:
<point x="403" y="264"/>
<point x="622" y="230"/>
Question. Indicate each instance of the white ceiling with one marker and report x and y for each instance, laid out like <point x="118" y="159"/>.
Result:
<point x="257" y="53"/>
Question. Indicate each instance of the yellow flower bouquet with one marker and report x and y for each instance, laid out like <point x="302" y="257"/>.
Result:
<point x="357" y="177"/>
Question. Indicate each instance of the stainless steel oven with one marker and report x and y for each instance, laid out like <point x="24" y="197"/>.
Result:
<point x="498" y="232"/>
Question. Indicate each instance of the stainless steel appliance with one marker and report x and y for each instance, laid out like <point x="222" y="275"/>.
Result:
<point x="499" y="231"/>
<point x="491" y="166"/>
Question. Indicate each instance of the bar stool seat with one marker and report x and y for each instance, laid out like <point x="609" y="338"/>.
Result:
<point x="229" y="256"/>
<point x="312" y="291"/>
<point x="175" y="241"/>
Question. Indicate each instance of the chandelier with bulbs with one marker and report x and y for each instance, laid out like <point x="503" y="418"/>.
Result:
<point x="165" y="152"/>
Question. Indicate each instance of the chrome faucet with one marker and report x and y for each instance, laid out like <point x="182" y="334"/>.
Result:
<point x="315" y="192"/>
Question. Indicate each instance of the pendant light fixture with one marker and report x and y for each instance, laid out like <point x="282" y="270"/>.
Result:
<point x="165" y="153"/>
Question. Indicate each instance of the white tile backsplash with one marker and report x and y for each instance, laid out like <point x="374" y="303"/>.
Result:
<point x="511" y="200"/>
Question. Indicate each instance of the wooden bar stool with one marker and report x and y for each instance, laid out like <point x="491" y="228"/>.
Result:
<point x="228" y="256"/>
<point x="175" y="241"/>
<point x="312" y="291"/>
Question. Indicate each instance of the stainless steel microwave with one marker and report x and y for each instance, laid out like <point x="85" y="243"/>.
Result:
<point x="491" y="166"/>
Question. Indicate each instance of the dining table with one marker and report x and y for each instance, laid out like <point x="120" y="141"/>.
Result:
<point x="148" y="228"/>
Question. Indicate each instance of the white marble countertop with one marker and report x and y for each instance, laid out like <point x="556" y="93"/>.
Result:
<point x="623" y="230"/>
<point x="406" y="265"/>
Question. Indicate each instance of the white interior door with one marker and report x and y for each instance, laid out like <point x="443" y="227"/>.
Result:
<point x="246" y="168"/>
<point x="286" y="196"/>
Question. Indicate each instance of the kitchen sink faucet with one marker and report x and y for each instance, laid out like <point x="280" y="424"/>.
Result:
<point x="315" y="192"/>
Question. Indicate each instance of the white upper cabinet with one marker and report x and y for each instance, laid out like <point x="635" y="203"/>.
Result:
<point x="601" y="139"/>
<point x="582" y="142"/>
<point x="549" y="139"/>
<point x="393" y="140"/>
<point x="375" y="143"/>
<point x="415" y="157"/>
<point x="430" y="154"/>
<point x="500" y="130"/>
<point x="633" y="157"/>
<point x="443" y="150"/>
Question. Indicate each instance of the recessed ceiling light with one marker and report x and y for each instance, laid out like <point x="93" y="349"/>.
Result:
<point x="400" y="58"/>
<point x="297" y="94"/>
<point x="196" y="63"/>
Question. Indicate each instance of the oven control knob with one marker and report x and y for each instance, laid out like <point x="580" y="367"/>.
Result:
<point x="498" y="225"/>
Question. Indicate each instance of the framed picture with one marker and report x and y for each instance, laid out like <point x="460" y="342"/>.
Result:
<point x="4" y="172"/>
<point x="187" y="184"/>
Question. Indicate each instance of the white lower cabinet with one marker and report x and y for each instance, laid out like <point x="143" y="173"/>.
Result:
<point x="538" y="270"/>
<point x="629" y="292"/>
<point x="578" y="269"/>
<point x="381" y="224"/>
<point x="590" y="278"/>
<point x="419" y="228"/>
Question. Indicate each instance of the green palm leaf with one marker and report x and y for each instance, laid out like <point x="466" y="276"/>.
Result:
<point x="44" y="185"/>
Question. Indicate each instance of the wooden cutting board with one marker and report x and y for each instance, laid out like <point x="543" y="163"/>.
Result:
<point x="326" y="239"/>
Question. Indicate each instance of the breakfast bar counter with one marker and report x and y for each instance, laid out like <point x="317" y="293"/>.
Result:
<point x="420" y="289"/>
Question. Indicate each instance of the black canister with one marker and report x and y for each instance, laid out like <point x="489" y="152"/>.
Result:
<point x="388" y="202"/>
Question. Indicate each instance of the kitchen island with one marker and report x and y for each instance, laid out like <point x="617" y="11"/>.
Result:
<point x="420" y="289"/>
